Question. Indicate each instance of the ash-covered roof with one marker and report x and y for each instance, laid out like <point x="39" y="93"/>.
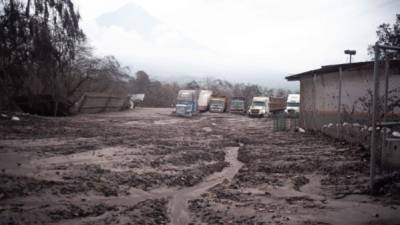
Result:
<point x="335" y="68"/>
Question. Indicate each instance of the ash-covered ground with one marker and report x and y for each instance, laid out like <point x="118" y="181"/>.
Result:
<point x="147" y="166"/>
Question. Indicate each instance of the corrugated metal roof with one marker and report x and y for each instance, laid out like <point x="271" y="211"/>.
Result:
<point x="335" y="68"/>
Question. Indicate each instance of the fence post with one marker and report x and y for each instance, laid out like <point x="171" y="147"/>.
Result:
<point x="385" y="105"/>
<point x="374" y="119"/>
<point x="339" y="119"/>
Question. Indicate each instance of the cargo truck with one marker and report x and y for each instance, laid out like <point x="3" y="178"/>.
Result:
<point x="187" y="103"/>
<point x="262" y="106"/>
<point x="238" y="105"/>
<point x="218" y="104"/>
<point x="277" y="105"/>
<point x="204" y="100"/>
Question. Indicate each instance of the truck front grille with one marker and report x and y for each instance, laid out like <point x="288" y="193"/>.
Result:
<point x="181" y="110"/>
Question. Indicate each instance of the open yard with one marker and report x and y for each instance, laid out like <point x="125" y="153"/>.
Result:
<point x="147" y="166"/>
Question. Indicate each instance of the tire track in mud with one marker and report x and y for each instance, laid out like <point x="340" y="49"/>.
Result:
<point x="178" y="204"/>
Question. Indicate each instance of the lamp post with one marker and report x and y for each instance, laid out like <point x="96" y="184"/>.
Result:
<point x="350" y="52"/>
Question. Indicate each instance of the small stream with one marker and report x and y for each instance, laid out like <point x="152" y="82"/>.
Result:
<point x="178" y="204"/>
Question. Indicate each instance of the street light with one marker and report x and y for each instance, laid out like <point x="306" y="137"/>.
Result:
<point x="350" y="52"/>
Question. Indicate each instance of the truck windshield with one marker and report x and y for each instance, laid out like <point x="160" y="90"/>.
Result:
<point x="184" y="102"/>
<point x="293" y="104"/>
<point x="217" y="102"/>
<point x="185" y="96"/>
<point x="258" y="103"/>
<point x="237" y="103"/>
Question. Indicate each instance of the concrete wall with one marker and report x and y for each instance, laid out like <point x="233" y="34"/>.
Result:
<point x="319" y="101"/>
<point x="320" y="104"/>
<point x="97" y="103"/>
<point x="320" y="94"/>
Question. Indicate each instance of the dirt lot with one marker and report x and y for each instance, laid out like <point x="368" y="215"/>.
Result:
<point x="149" y="167"/>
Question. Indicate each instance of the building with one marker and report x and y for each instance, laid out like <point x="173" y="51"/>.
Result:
<point x="339" y="103"/>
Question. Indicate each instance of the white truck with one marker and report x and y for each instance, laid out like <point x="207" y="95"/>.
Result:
<point x="293" y="104"/>
<point x="259" y="107"/>
<point x="262" y="106"/>
<point x="204" y="100"/>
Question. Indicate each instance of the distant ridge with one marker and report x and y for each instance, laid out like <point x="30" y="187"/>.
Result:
<point x="130" y="17"/>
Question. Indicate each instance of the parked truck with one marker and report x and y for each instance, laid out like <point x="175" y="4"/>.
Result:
<point x="218" y="104"/>
<point x="238" y="105"/>
<point x="293" y="104"/>
<point x="187" y="103"/>
<point x="277" y="105"/>
<point x="259" y="107"/>
<point x="262" y="106"/>
<point x="204" y="100"/>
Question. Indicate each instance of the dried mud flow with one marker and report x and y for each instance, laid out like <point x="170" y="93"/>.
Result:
<point x="147" y="166"/>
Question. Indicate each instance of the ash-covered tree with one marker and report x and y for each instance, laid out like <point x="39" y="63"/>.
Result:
<point x="141" y="83"/>
<point x="192" y="85"/>
<point x="247" y="91"/>
<point x="388" y="34"/>
<point x="38" y="43"/>
<point x="100" y="75"/>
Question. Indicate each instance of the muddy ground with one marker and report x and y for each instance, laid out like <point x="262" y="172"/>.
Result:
<point x="148" y="167"/>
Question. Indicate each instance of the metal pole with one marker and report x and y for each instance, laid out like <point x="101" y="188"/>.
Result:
<point x="314" y="102"/>
<point x="339" y="119"/>
<point x="374" y="119"/>
<point x="385" y="104"/>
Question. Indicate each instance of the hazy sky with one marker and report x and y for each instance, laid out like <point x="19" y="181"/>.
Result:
<point x="258" y="41"/>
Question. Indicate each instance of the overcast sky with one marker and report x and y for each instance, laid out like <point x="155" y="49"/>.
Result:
<point x="258" y="41"/>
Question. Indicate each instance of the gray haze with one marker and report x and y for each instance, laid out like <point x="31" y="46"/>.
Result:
<point x="256" y="41"/>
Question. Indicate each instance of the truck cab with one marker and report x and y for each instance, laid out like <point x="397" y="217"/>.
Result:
<point x="217" y="104"/>
<point x="186" y="103"/>
<point x="238" y="105"/>
<point x="293" y="104"/>
<point x="259" y="107"/>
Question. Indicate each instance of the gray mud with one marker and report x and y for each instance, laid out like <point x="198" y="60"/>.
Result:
<point x="147" y="166"/>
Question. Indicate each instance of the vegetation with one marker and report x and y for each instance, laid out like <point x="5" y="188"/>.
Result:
<point x="388" y="34"/>
<point x="39" y="42"/>
<point x="43" y="55"/>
